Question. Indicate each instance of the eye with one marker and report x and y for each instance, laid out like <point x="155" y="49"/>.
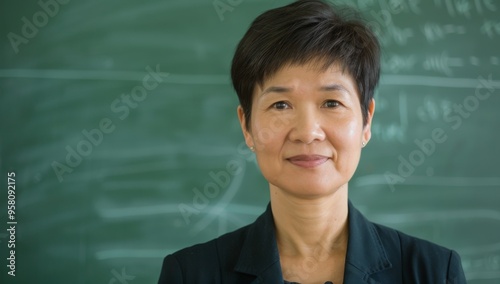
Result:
<point x="281" y="105"/>
<point x="331" y="104"/>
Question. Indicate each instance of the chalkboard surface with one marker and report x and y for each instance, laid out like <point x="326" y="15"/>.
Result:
<point x="119" y="130"/>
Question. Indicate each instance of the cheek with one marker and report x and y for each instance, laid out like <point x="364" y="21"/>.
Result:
<point x="346" y="135"/>
<point x="354" y="130"/>
<point x="268" y="131"/>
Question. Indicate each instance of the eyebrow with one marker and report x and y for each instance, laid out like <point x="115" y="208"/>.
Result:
<point x="334" y="87"/>
<point x="276" y="89"/>
<point x="326" y="88"/>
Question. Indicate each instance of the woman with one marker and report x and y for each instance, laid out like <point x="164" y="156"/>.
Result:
<point x="305" y="77"/>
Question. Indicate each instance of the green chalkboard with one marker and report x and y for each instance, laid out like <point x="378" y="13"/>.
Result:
<point x="119" y="122"/>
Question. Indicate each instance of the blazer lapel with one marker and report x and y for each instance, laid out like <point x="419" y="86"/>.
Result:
<point x="259" y="253"/>
<point x="366" y="254"/>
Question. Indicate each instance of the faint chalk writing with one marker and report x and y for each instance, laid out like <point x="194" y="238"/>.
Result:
<point x="397" y="63"/>
<point x="466" y="7"/>
<point x="393" y="131"/>
<point x="442" y="63"/>
<point x="394" y="34"/>
<point x="490" y="28"/>
<point x="487" y="262"/>
<point x="474" y="61"/>
<point x="434" y="32"/>
<point x="433" y="109"/>
<point x="398" y="6"/>
<point x="388" y="133"/>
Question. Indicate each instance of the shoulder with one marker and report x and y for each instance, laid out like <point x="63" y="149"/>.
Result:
<point x="421" y="257"/>
<point x="398" y="242"/>
<point x="203" y="261"/>
<point x="391" y="256"/>
<point x="208" y="251"/>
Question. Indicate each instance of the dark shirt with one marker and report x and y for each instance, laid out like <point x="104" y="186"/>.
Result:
<point x="375" y="254"/>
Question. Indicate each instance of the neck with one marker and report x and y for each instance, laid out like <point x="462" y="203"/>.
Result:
<point x="305" y="228"/>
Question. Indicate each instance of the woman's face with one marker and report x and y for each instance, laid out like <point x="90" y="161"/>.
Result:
<point x="307" y="129"/>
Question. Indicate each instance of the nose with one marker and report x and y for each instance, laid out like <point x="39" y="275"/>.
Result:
<point x="307" y="127"/>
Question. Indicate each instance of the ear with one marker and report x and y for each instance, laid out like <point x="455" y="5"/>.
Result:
<point x="367" y="129"/>
<point x="246" y="132"/>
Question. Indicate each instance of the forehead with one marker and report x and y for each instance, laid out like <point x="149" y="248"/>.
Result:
<point x="307" y="77"/>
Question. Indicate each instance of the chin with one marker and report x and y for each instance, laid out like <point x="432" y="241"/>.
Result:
<point x="310" y="189"/>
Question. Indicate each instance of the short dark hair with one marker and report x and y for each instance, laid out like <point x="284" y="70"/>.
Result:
<point x="299" y="33"/>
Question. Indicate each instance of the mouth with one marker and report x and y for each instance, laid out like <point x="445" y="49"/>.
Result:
<point x="308" y="161"/>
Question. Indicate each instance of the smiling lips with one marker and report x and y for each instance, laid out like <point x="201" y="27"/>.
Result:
<point x="308" y="161"/>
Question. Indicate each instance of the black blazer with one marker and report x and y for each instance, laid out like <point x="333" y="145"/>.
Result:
<point x="375" y="254"/>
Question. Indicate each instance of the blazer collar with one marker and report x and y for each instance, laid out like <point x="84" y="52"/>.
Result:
<point x="259" y="253"/>
<point x="366" y="254"/>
